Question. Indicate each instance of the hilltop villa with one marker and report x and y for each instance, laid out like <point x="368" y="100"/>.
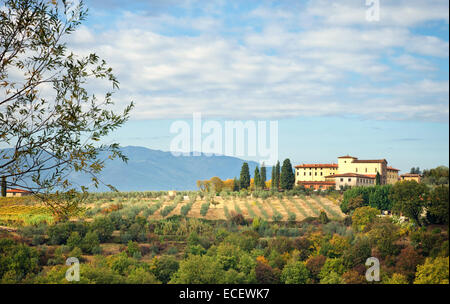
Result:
<point x="349" y="171"/>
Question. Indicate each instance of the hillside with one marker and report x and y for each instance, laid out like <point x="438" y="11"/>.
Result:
<point x="149" y="169"/>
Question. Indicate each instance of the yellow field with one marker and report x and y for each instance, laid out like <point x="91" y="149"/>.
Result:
<point x="21" y="211"/>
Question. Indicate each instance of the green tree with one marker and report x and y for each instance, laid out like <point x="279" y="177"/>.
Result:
<point x="198" y="270"/>
<point x="378" y="179"/>
<point x="287" y="179"/>
<point x="263" y="176"/>
<point x="364" y="216"/>
<point x="438" y="205"/>
<point x="409" y="198"/>
<point x="295" y="272"/>
<point x="49" y="117"/>
<point x="235" y="185"/>
<point x="332" y="278"/>
<point x="334" y="265"/>
<point x="90" y="243"/>
<point x="277" y="175"/>
<point x="74" y="240"/>
<point x="273" y="179"/>
<point x="379" y="197"/>
<point x="384" y="235"/>
<point x="397" y="278"/>
<point x="434" y="271"/>
<point x="104" y="228"/>
<point x="244" y="179"/>
<point x="141" y="276"/>
<point x="257" y="178"/>
<point x="165" y="267"/>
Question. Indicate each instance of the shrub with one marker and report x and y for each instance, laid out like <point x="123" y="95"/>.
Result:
<point x="104" y="228"/>
<point x="364" y="216"/>
<point x="323" y="217"/>
<point x="276" y="217"/>
<point x="295" y="273"/>
<point x="204" y="209"/>
<point x="90" y="242"/>
<point x="38" y="240"/>
<point x="74" y="240"/>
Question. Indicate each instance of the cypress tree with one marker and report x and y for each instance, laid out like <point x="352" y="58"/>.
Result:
<point x="257" y="179"/>
<point x="287" y="178"/>
<point x="272" y="183"/>
<point x="235" y="184"/>
<point x="277" y="175"/>
<point x="263" y="176"/>
<point x="244" y="179"/>
<point x="378" y="179"/>
<point x="3" y="186"/>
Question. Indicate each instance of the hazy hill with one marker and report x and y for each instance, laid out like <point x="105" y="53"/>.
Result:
<point x="157" y="170"/>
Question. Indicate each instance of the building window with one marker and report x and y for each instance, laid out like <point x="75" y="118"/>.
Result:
<point x="356" y="170"/>
<point x="366" y="170"/>
<point x="315" y="174"/>
<point x="342" y="179"/>
<point x="321" y="174"/>
<point x="310" y="174"/>
<point x="304" y="174"/>
<point x="349" y="179"/>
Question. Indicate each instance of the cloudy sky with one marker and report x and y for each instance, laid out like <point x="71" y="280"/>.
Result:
<point x="337" y="83"/>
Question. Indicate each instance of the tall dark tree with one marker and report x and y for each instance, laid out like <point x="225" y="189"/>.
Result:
<point x="263" y="176"/>
<point x="277" y="175"/>
<point x="257" y="179"/>
<point x="3" y="186"/>
<point x="47" y="114"/>
<point x="287" y="179"/>
<point x="235" y="184"/>
<point x="272" y="181"/>
<point x="378" y="179"/>
<point x="244" y="180"/>
<point x="415" y="170"/>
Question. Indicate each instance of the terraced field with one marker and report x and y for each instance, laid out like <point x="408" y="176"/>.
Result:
<point x="16" y="213"/>
<point x="302" y="207"/>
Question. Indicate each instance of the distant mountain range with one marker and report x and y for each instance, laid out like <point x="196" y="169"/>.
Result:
<point x="150" y="170"/>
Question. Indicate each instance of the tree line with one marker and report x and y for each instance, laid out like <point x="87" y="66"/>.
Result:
<point x="282" y="178"/>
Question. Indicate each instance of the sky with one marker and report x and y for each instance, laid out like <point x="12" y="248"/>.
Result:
<point x="336" y="83"/>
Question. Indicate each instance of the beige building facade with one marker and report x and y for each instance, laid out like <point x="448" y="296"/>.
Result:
<point x="363" y="173"/>
<point x="370" y="167"/>
<point x="352" y="180"/>
<point x="392" y="175"/>
<point x="410" y="176"/>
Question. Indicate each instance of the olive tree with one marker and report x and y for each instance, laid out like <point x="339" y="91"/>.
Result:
<point x="50" y="123"/>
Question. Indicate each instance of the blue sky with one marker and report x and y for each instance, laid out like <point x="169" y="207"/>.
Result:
<point x="336" y="83"/>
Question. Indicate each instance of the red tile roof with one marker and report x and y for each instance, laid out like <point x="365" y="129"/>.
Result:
<point x="369" y="161"/>
<point x="392" y="169"/>
<point x="347" y="156"/>
<point x="352" y="175"/>
<point x="410" y="175"/>
<point x="17" y="191"/>
<point x="317" y="166"/>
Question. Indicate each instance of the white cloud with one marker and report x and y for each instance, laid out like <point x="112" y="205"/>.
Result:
<point x="172" y="66"/>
